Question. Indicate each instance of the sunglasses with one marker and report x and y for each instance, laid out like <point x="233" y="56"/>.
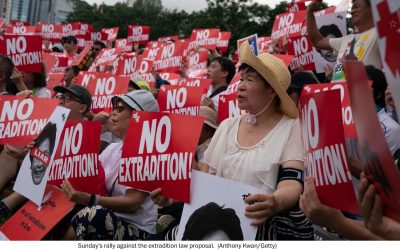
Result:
<point x="120" y="107"/>
<point x="67" y="98"/>
<point x="96" y="49"/>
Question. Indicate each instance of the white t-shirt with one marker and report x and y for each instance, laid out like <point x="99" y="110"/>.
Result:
<point x="391" y="130"/>
<point x="257" y="165"/>
<point x="145" y="216"/>
<point x="366" y="49"/>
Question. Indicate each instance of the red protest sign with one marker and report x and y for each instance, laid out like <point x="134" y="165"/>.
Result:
<point x="54" y="32"/>
<point x="123" y="44"/>
<point x="205" y="38"/>
<point x="326" y="160"/>
<point x="82" y="59"/>
<point x="55" y="62"/>
<point x="387" y="19"/>
<point x="169" y="57"/>
<point x="151" y="51"/>
<point x="154" y="154"/>
<point x="295" y="6"/>
<point x="138" y="34"/>
<point x="196" y="82"/>
<point x="172" y="78"/>
<point x="347" y="116"/>
<point x="111" y="33"/>
<point x="20" y="30"/>
<point x="223" y="41"/>
<point x="196" y="65"/>
<point x="33" y="223"/>
<point x="180" y="99"/>
<point x="376" y="158"/>
<point x="127" y="64"/>
<point x="22" y="119"/>
<point x="77" y="154"/>
<point x="98" y="36"/>
<point x="106" y="57"/>
<point x="289" y="24"/>
<point x="103" y="86"/>
<point x="264" y="44"/>
<point x="301" y="48"/>
<point x="19" y="23"/>
<point x="54" y="79"/>
<point x="24" y="51"/>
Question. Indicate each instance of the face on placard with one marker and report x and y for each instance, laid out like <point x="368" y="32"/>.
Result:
<point x="217" y="235"/>
<point x="121" y="116"/>
<point x="360" y="12"/>
<point x="253" y="92"/>
<point x="215" y="73"/>
<point x="329" y="55"/>
<point x="38" y="168"/>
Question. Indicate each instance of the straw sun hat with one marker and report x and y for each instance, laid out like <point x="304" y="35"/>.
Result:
<point x="274" y="71"/>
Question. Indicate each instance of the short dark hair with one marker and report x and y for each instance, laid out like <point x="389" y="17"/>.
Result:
<point x="40" y="77"/>
<point x="76" y="70"/>
<point x="210" y="218"/>
<point x="49" y="132"/>
<point x="379" y="84"/>
<point x="226" y="65"/>
<point x="330" y="29"/>
<point x="244" y="67"/>
<point x="100" y="43"/>
<point x="6" y="65"/>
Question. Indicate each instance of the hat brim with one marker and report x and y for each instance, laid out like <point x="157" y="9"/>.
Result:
<point x="62" y="89"/>
<point x="214" y="126"/>
<point x="246" y="55"/>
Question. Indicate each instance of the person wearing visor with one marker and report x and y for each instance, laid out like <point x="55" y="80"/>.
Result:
<point x="126" y="213"/>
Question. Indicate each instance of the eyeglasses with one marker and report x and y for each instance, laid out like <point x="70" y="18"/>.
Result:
<point x="120" y="107"/>
<point x="67" y="98"/>
<point x="96" y="49"/>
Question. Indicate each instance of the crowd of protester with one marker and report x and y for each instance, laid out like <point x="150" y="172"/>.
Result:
<point x="262" y="148"/>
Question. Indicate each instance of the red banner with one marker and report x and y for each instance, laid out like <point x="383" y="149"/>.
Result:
<point x="22" y="119"/>
<point x="289" y="24"/>
<point x="264" y="44"/>
<point x="54" y="79"/>
<point x="347" y="116"/>
<point x="138" y="34"/>
<point x="169" y="57"/>
<point x="205" y="38"/>
<point x="196" y="65"/>
<point x="151" y="51"/>
<point x="196" y="82"/>
<point x="223" y="41"/>
<point x="24" y="51"/>
<point x="103" y="86"/>
<point x="105" y="57"/>
<point x="55" y="62"/>
<point x="76" y="158"/>
<point x="123" y="44"/>
<point x="295" y="6"/>
<point x="154" y="154"/>
<point x="33" y="223"/>
<point x="127" y="64"/>
<point x="180" y="99"/>
<point x="301" y="48"/>
<point x="111" y="33"/>
<point x="326" y="160"/>
<point x="20" y="30"/>
<point x="376" y="158"/>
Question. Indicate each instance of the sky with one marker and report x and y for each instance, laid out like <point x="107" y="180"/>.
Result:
<point x="194" y="5"/>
